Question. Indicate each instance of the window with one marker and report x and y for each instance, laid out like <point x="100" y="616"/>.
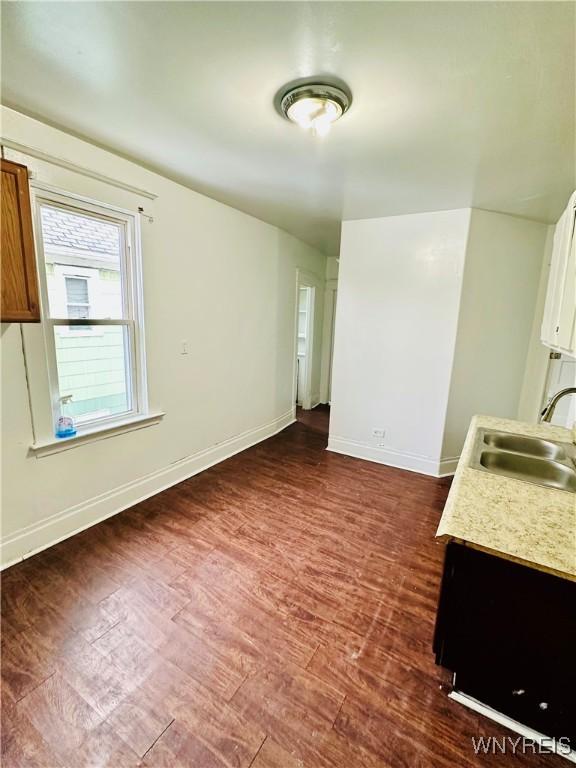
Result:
<point x="91" y="306"/>
<point x="77" y="298"/>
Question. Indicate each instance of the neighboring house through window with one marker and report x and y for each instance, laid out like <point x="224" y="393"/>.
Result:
<point x="92" y="308"/>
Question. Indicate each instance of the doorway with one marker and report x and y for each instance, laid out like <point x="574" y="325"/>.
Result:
<point x="304" y="344"/>
<point x="309" y="411"/>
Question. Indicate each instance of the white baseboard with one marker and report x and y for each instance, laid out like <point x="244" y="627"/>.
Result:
<point x="315" y="400"/>
<point x="448" y="466"/>
<point x="400" y="460"/>
<point x="45" y="533"/>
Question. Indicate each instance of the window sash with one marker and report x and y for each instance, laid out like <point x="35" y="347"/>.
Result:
<point x="130" y="367"/>
<point x="131" y="303"/>
<point x="85" y="321"/>
<point x="127" y="225"/>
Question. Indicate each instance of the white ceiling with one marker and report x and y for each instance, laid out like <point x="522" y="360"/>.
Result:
<point x="455" y="104"/>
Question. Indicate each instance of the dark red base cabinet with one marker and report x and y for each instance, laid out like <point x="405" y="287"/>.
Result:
<point x="509" y="633"/>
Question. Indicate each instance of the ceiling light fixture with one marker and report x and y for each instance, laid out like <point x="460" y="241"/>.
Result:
<point x="315" y="106"/>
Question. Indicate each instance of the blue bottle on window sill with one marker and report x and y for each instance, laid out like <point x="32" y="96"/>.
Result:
<point x="65" y="425"/>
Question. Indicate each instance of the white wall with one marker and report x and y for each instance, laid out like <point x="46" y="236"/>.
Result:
<point x="434" y="318"/>
<point x="221" y="279"/>
<point x="398" y="292"/>
<point x="497" y="308"/>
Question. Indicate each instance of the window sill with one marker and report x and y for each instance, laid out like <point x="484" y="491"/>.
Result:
<point x="43" y="448"/>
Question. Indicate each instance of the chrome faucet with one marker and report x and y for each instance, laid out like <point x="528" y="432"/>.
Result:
<point x="548" y="411"/>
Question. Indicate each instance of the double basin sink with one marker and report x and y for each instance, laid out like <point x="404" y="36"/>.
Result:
<point x="532" y="459"/>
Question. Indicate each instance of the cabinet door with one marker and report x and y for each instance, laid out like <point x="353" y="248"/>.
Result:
<point x="559" y="323"/>
<point x="503" y="617"/>
<point x="565" y="329"/>
<point x="20" y="302"/>
<point x="509" y="632"/>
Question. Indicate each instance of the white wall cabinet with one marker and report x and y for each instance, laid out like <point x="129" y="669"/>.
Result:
<point x="559" y="322"/>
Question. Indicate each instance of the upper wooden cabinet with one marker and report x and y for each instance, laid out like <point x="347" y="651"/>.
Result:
<point x="19" y="280"/>
<point x="559" y="323"/>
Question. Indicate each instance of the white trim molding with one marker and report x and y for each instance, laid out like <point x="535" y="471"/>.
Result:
<point x="38" y="154"/>
<point x="34" y="538"/>
<point x="392" y="458"/>
<point x="328" y="327"/>
<point x="56" y="445"/>
<point x="448" y="466"/>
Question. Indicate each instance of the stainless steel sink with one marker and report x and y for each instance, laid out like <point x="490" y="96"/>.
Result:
<point x="532" y="446"/>
<point x="541" y="471"/>
<point x="531" y="459"/>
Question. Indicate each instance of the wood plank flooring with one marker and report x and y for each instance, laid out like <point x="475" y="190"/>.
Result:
<point x="318" y="418"/>
<point x="275" y="611"/>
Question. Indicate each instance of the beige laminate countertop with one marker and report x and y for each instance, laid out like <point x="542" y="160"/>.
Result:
<point x="511" y="518"/>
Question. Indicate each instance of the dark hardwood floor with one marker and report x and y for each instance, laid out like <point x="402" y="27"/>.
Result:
<point x="318" y="418"/>
<point x="275" y="611"/>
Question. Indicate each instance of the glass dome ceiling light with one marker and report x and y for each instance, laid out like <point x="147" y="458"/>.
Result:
<point x="314" y="107"/>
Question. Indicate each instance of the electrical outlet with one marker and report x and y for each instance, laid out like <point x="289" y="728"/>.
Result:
<point x="380" y="445"/>
<point x="376" y="432"/>
<point x="183" y="347"/>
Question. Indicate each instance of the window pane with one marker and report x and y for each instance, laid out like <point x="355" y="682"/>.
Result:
<point x="92" y="367"/>
<point x="78" y="312"/>
<point x="84" y="256"/>
<point x="77" y="290"/>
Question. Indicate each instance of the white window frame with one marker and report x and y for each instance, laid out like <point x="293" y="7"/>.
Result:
<point x="133" y="310"/>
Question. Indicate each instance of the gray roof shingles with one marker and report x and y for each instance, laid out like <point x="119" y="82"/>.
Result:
<point x="83" y="233"/>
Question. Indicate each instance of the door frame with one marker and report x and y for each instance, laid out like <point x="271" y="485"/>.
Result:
<point x="304" y="280"/>
<point x="328" y="335"/>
